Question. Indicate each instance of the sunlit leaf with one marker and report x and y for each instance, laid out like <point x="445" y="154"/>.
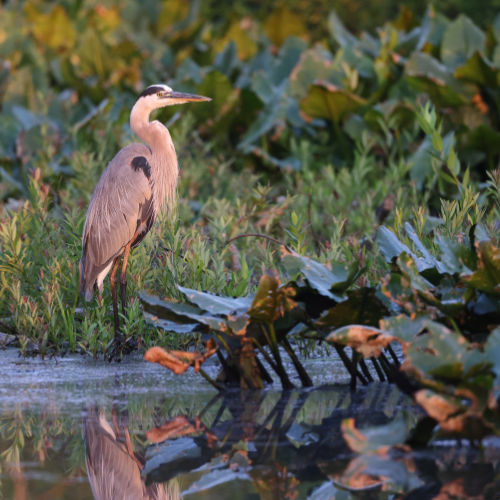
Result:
<point x="240" y="32"/>
<point x="368" y="341"/>
<point x="271" y="300"/>
<point x="282" y="23"/>
<point x="43" y="27"/>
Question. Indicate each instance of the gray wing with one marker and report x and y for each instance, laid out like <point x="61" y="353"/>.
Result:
<point x="112" y="472"/>
<point x="122" y="204"/>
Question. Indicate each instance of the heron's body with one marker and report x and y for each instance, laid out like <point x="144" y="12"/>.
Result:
<point x="113" y="468"/>
<point x="137" y="183"/>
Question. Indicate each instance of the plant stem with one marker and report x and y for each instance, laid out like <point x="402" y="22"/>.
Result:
<point x="303" y="375"/>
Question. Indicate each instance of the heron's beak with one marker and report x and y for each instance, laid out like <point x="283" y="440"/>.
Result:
<point x="181" y="97"/>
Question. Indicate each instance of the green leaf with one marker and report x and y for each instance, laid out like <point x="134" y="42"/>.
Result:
<point x="478" y="70"/>
<point x="428" y="75"/>
<point x="340" y="33"/>
<point x="325" y="100"/>
<point x="319" y="277"/>
<point x="362" y="307"/>
<point x="403" y="327"/>
<point x="177" y="312"/>
<point x="461" y="39"/>
<point x="389" y="244"/>
<point x="487" y="276"/>
<point x="214" y="304"/>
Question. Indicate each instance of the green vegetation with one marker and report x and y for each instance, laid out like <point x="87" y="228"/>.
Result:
<point x="361" y="168"/>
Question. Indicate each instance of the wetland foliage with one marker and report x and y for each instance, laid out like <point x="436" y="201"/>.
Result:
<point x="342" y="189"/>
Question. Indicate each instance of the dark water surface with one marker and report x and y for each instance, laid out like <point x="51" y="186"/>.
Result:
<point x="74" y="428"/>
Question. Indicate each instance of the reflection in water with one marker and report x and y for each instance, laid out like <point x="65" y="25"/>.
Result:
<point x="114" y="469"/>
<point x="253" y="444"/>
<point x="291" y="446"/>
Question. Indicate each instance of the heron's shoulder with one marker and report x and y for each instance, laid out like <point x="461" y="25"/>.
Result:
<point x="128" y="153"/>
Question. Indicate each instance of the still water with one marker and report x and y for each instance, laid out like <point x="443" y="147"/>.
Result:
<point x="74" y="428"/>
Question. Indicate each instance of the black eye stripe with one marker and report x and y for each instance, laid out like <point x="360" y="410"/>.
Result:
<point x="152" y="90"/>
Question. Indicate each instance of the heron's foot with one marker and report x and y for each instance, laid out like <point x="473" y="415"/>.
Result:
<point x="119" y="347"/>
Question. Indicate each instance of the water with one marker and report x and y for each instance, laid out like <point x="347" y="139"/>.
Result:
<point x="73" y="426"/>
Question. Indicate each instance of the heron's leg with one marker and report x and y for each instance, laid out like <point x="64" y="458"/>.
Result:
<point x="112" y="285"/>
<point x="123" y="277"/>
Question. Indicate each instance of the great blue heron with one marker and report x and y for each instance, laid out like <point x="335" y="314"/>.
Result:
<point x="113" y="468"/>
<point x="137" y="183"/>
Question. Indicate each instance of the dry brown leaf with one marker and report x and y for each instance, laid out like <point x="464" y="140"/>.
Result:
<point x="180" y="361"/>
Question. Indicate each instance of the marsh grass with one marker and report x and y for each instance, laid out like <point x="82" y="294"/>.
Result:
<point x="325" y="212"/>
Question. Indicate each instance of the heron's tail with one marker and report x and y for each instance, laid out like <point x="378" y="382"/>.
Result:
<point x="86" y="289"/>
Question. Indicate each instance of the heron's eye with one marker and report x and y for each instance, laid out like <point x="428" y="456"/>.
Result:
<point x="158" y="94"/>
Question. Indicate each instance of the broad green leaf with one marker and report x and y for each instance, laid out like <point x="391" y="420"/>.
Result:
<point x="314" y="64"/>
<point x="242" y="36"/>
<point x="492" y="354"/>
<point x="325" y="100"/>
<point x="282" y="23"/>
<point x="461" y="39"/>
<point x="454" y="255"/>
<point x="362" y="307"/>
<point x="169" y="325"/>
<point x="339" y="32"/>
<point x="319" y="277"/>
<point x="478" y="70"/>
<point x="227" y="60"/>
<point x="214" y="304"/>
<point x="182" y="313"/>
<point x="429" y="75"/>
<point x="487" y="276"/>
<point x="54" y="28"/>
<point x="218" y="87"/>
<point x="272" y="301"/>
<point x="403" y="327"/>
<point x="389" y="244"/>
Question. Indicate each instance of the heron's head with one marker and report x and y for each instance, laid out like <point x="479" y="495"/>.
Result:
<point x="160" y="95"/>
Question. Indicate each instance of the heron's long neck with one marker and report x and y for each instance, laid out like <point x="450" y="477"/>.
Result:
<point x="164" y="168"/>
